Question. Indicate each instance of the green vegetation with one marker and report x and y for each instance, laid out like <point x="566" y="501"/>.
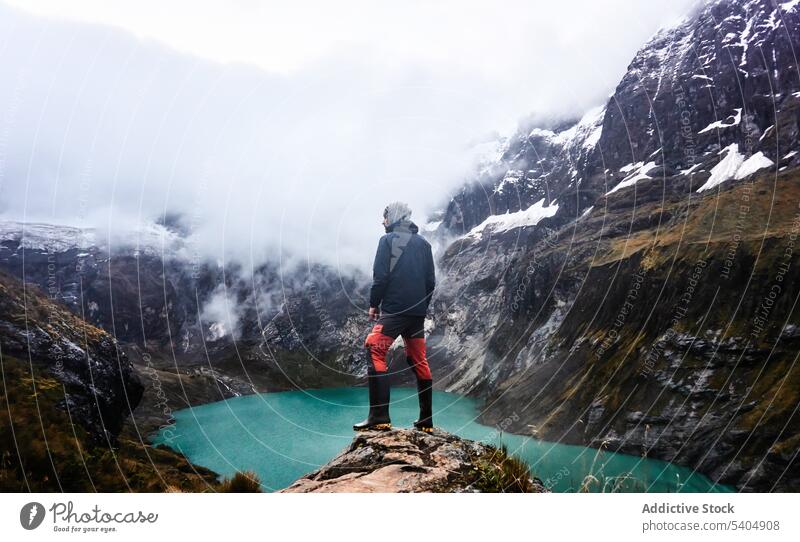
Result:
<point x="500" y="472"/>
<point x="42" y="450"/>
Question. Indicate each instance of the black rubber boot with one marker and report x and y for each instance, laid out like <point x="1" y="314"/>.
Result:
<point x="425" y="394"/>
<point x="378" y="418"/>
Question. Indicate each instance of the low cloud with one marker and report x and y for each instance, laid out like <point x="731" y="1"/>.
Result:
<point x="294" y="160"/>
<point x="221" y="315"/>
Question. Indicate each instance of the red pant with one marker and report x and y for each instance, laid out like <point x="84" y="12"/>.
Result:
<point x="386" y="330"/>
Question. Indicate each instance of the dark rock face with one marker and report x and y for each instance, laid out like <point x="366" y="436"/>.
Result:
<point x="405" y="461"/>
<point x="138" y="293"/>
<point x="675" y="339"/>
<point x="732" y="59"/>
<point x="726" y="75"/>
<point x="100" y="389"/>
<point x="595" y="325"/>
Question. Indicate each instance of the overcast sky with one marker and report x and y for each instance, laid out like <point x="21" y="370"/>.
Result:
<point x="287" y="125"/>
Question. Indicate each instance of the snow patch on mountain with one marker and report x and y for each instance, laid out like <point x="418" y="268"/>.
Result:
<point x="591" y="124"/>
<point x="734" y="166"/>
<point x="587" y="130"/>
<point x="511" y="177"/>
<point x="45" y="237"/>
<point x="528" y="217"/>
<point x="689" y="170"/>
<point x="726" y="168"/>
<point x="753" y="164"/>
<point x="737" y="117"/>
<point x="640" y="174"/>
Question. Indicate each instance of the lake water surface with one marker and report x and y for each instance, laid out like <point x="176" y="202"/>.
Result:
<point x="282" y="436"/>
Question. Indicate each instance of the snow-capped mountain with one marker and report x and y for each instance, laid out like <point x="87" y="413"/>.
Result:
<point x="725" y="78"/>
<point x="150" y="239"/>
<point x="631" y="315"/>
<point x="528" y="167"/>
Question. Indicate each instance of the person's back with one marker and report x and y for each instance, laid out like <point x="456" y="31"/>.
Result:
<point x="403" y="271"/>
<point x="402" y="286"/>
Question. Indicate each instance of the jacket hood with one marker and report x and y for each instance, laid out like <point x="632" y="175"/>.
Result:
<point x="402" y="225"/>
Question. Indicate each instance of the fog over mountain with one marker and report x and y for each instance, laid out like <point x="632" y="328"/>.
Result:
<point x="291" y="134"/>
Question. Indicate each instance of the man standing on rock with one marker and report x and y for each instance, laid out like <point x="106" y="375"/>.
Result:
<point x="403" y="282"/>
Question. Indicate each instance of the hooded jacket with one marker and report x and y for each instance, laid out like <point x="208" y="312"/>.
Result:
<point x="403" y="275"/>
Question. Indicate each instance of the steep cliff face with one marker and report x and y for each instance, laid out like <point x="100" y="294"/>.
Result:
<point x="726" y="75"/>
<point x="677" y="340"/>
<point x="100" y="389"/>
<point x="652" y="309"/>
<point x="723" y="80"/>
<point x="68" y="391"/>
<point x="537" y="163"/>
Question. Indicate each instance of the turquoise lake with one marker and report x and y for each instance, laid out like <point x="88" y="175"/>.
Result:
<point x="282" y="436"/>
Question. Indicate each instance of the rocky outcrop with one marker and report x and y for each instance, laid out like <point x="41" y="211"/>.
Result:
<point x="100" y="388"/>
<point x="411" y="461"/>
